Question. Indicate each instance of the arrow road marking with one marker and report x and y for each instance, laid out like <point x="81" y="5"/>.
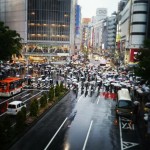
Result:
<point x="127" y="145"/>
<point x="127" y="125"/>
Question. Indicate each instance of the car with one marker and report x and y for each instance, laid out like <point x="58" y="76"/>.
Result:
<point x="33" y="79"/>
<point x="14" y="107"/>
<point x="48" y="79"/>
<point x="42" y="78"/>
<point x="124" y="105"/>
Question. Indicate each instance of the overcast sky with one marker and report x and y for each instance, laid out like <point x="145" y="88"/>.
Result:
<point x="88" y="7"/>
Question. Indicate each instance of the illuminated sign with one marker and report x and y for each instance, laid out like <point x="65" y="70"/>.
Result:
<point x="101" y="11"/>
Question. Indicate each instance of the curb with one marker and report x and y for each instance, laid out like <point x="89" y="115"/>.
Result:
<point x="29" y="126"/>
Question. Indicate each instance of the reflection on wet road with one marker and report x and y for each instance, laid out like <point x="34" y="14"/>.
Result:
<point x="80" y="123"/>
<point x="93" y="126"/>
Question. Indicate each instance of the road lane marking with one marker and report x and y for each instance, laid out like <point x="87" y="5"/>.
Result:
<point x="127" y="145"/>
<point x="121" y="143"/>
<point x="35" y="89"/>
<point x="25" y="96"/>
<point x="98" y="100"/>
<point x="87" y="136"/>
<point x="109" y="104"/>
<point x="2" y="114"/>
<point x="12" y="97"/>
<point x="55" y="135"/>
<point x="23" y="101"/>
<point x="133" y="127"/>
<point x="127" y="125"/>
<point x="79" y="98"/>
<point x="32" y="96"/>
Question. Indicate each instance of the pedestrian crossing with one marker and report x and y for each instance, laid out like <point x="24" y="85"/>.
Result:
<point x="102" y="92"/>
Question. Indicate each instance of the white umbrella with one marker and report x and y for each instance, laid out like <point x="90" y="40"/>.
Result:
<point x="136" y="103"/>
<point x="30" y="67"/>
<point x="117" y="84"/>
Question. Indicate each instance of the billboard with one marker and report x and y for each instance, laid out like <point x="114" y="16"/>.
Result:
<point x="101" y="12"/>
<point x="86" y="20"/>
<point x="133" y="53"/>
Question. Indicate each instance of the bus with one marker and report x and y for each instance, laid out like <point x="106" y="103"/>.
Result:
<point x="10" y="86"/>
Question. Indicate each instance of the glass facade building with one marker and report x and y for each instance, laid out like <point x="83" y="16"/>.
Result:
<point x="41" y="23"/>
<point x="49" y="20"/>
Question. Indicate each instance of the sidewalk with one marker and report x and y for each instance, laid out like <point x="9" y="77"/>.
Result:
<point x="143" y="130"/>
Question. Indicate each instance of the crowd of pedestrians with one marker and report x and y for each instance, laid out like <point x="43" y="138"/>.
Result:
<point x="86" y="78"/>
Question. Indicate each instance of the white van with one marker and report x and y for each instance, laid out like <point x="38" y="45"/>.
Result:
<point x="124" y="105"/>
<point x="14" y="107"/>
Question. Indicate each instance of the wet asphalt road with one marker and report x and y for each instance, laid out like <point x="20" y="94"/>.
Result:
<point x="93" y="127"/>
<point x="81" y="122"/>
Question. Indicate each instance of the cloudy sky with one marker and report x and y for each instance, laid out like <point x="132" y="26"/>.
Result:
<point x="89" y="6"/>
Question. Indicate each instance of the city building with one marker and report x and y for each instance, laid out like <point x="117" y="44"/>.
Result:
<point x="121" y="5"/>
<point x="134" y="20"/>
<point x="111" y="36"/>
<point x="96" y="27"/>
<point x="105" y="35"/>
<point x="101" y="13"/>
<point x="46" y="27"/>
<point x="85" y="32"/>
<point x="97" y="40"/>
<point x="78" y="29"/>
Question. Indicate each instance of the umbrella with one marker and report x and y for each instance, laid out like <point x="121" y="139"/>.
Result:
<point x="48" y="66"/>
<point x="2" y="66"/>
<point x="147" y="104"/>
<point x="117" y="84"/>
<point x="106" y="84"/>
<point x="136" y="103"/>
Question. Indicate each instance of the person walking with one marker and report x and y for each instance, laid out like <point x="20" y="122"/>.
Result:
<point x="136" y="111"/>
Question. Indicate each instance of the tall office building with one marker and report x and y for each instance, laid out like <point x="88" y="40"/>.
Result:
<point x="78" y="29"/>
<point x="45" y="25"/>
<point x="85" y="32"/>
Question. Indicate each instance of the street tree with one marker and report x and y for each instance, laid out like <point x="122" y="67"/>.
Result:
<point x="143" y="58"/>
<point x="51" y="93"/>
<point x="57" y="90"/>
<point x="10" y="42"/>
